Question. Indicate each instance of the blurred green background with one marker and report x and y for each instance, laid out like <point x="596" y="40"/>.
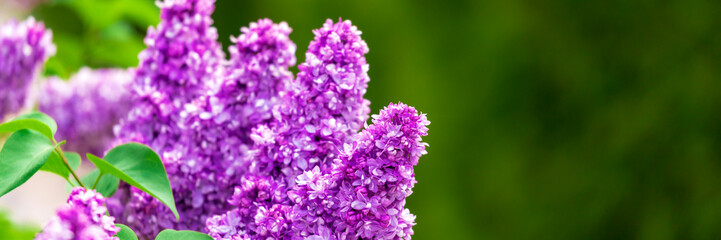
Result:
<point x="550" y="119"/>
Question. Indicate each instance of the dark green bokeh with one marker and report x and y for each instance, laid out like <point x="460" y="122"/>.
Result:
<point x="550" y="120"/>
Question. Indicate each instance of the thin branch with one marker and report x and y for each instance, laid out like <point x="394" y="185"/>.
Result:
<point x="65" y="161"/>
<point x="97" y="180"/>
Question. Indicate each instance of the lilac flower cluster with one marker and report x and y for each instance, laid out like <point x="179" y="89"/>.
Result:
<point x="200" y="122"/>
<point x="253" y="152"/>
<point x="83" y="217"/>
<point x="87" y="107"/>
<point x="322" y="108"/>
<point x="182" y="61"/>
<point x="320" y="111"/>
<point x="24" y="48"/>
<point x="363" y="194"/>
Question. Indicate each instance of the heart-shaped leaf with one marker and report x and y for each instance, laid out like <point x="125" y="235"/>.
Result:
<point x="23" y="154"/>
<point x="170" y="234"/>
<point x="107" y="185"/>
<point x="55" y="164"/>
<point x="139" y="166"/>
<point x="126" y="233"/>
<point x="35" y="121"/>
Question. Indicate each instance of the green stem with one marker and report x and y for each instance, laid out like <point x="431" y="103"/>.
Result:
<point x="65" y="161"/>
<point x="97" y="180"/>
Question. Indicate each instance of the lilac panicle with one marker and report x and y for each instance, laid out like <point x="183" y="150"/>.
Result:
<point x="182" y="56"/>
<point x="203" y="134"/>
<point x="363" y="195"/>
<point x="258" y="71"/>
<point x="322" y="109"/>
<point x="24" y="48"/>
<point x="87" y="107"/>
<point x="256" y="75"/>
<point x="257" y="214"/>
<point x="182" y="61"/>
<point x="332" y="81"/>
<point x="82" y="218"/>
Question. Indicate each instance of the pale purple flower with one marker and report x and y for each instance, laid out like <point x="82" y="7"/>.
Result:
<point x="182" y="61"/>
<point x="322" y="109"/>
<point x="24" y="48"/>
<point x="200" y="122"/>
<point x="368" y="183"/>
<point x="87" y="107"/>
<point x="256" y="214"/>
<point x="82" y="218"/>
<point x="318" y="111"/>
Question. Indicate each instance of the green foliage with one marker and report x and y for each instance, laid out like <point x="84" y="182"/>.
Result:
<point x="139" y="166"/>
<point x="55" y="164"/>
<point x="35" y="120"/>
<point x="11" y="231"/>
<point x="170" y="234"/>
<point x="23" y="154"/>
<point x="97" y="34"/>
<point x="30" y="148"/>
<point x="126" y="233"/>
<point x="107" y="185"/>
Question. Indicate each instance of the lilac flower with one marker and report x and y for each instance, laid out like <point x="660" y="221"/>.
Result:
<point x="24" y="48"/>
<point x="201" y="125"/>
<point x="82" y="218"/>
<point x="288" y="147"/>
<point x="181" y="58"/>
<point x="363" y="195"/>
<point x="256" y="214"/>
<point x="322" y="108"/>
<point x="87" y="107"/>
<point x="258" y="71"/>
<point x="319" y="110"/>
<point x="182" y="61"/>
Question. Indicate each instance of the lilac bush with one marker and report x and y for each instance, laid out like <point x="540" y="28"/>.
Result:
<point x="251" y="151"/>
<point x="277" y="141"/>
<point x="24" y="48"/>
<point x="87" y="107"/>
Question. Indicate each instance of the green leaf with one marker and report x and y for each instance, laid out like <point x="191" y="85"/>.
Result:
<point x="55" y="164"/>
<point x="126" y="233"/>
<point x="170" y="234"/>
<point x="140" y="166"/>
<point x="107" y="185"/>
<point x="35" y="120"/>
<point x="23" y="154"/>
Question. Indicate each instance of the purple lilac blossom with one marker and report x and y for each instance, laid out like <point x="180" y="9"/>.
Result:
<point x="257" y="73"/>
<point x="363" y="195"/>
<point x="204" y="135"/>
<point x="320" y="110"/>
<point x="87" y="107"/>
<point x="82" y="218"/>
<point x="182" y="61"/>
<point x="255" y="216"/>
<point x="24" y="48"/>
